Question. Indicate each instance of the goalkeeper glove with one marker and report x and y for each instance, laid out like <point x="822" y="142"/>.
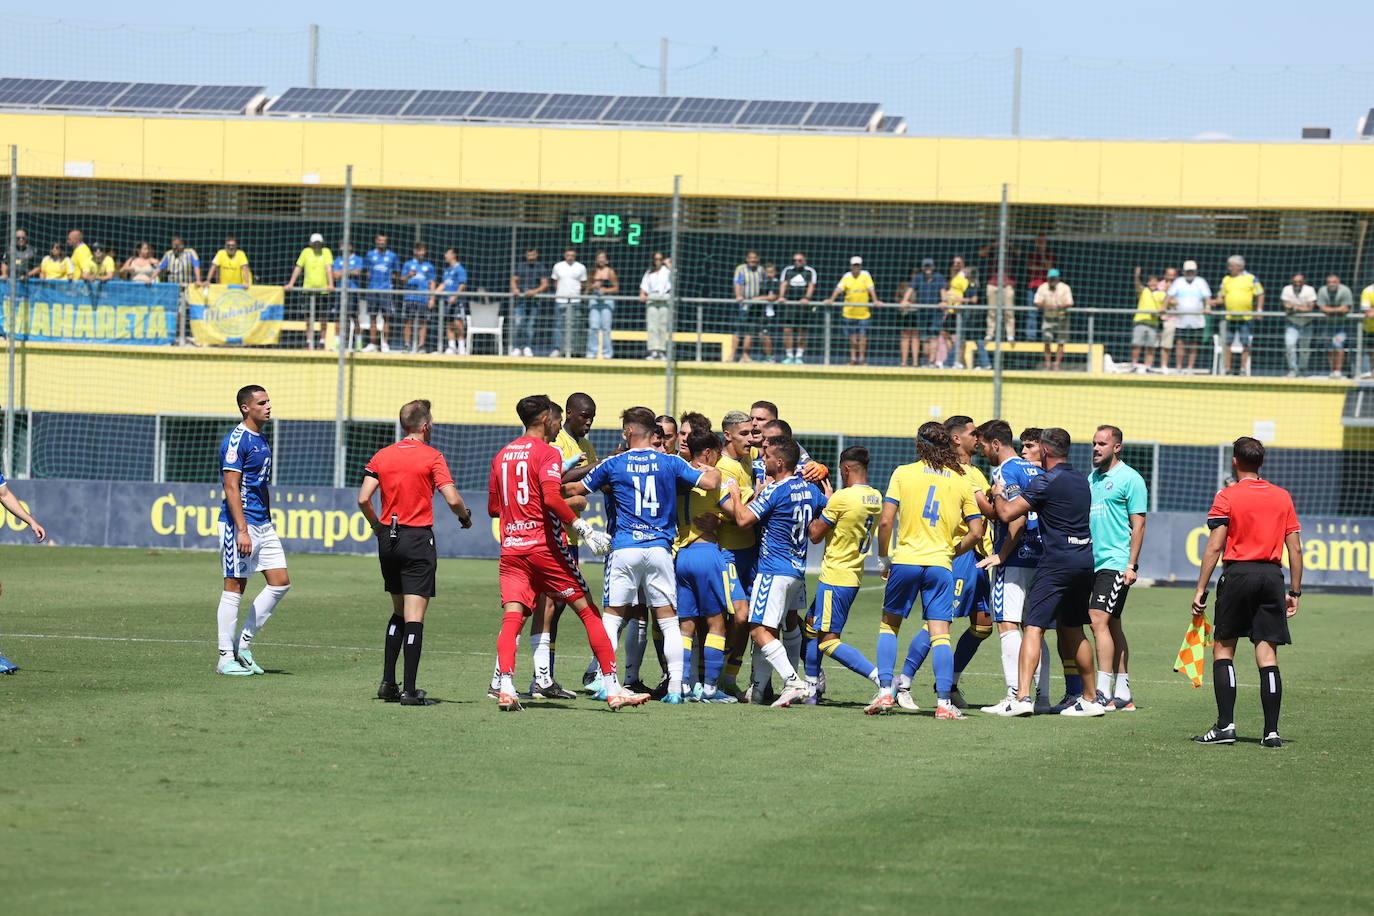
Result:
<point x="599" y="543"/>
<point x="571" y="462"/>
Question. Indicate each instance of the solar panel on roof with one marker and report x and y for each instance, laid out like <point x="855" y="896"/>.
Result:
<point x="892" y="124"/>
<point x="567" y="107"/>
<point x="25" y="91"/>
<point x="854" y="115"/>
<point x="85" y="94"/>
<point x="641" y="108"/>
<point x="440" y="103"/>
<point x="220" y="98"/>
<point x="152" y="95"/>
<point x="774" y="114"/>
<point x="303" y="100"/>
<point x="376" y="102"/>
<point x="511" y="106"/>
<point x="707" y="111"/>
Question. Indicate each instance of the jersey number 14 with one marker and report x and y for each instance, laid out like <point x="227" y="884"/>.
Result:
<point x="646" y="495"/>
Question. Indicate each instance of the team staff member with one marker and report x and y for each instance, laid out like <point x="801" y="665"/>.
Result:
<point x="408" y="472"/>
<point x="1252" y="521"/>
<point x="16" y="508"/>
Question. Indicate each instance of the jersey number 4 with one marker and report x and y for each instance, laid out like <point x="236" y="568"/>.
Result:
<point x="646" y="495"/>
<point x="931" y="513"/>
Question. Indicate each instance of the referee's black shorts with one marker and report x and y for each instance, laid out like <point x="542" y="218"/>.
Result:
<point x="1250" y="602"/>
<point x="408" y="561"/>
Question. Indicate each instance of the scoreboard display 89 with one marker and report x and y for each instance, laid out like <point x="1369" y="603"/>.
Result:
<point x="605" y="227"/>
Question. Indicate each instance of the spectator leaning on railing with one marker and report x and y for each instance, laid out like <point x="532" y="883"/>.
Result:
<point x="601" y="308"/>
<point x="314" y="264"/>
<point x="859" y="295"/>
<point x="962" y="290"/>
<point x="55" y="264"/>
<point x="1240" y="293"/>
<point x="570" y="279"/>
<point x="25" y="262"/>
<point x="1299" y="304"/>
<point x="142" y="267"/>
<point x="1188" y="296"/>
<point x="529" y="279"/>
<point x="747" y="284"/>
<point x="354" y="280"/>
<point x="453" y="285"/>
<point x="231" y="265"/>
<point x="1367" y="310"/>
<point x="1003" y="288"/>
<point x="99" y="266"/>
<point x="382" y="267"/>
<point x="81" y="253"/>
<point x="1169" y="321"/>
<point x="1054" y="299"/>
<point x="655" y="291"/>
<point x="796" y="287"/>
<point x="179" y="264"/>
<point x="1145" y="328"/>
<point x="766" y="314"/>
<point x="1335" y="302"/>
<point x="418" y="275"/>
<point x="919" y="314"/>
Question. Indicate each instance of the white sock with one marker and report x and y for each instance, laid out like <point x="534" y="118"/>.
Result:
<point x="672" y="650"/>
<point x="1123" y="685"/>
<point x="611" y="623"/>
<point x="1042" y="677"/>
<point x="496" y="676"/>
<point x="903" y="682"/>
<point x="263" y="605"/>
<point x="801" y="352"/>
<point x="507" y="685"/>
<point x="776" y="653"/>
<point x="792" y="643"/>
<point x="636" y="639"/>
<point x="540" y="648"/>
<point x="1104" y="684"/>
<point x="759" y="672"/>
<point x="873" y="676"/>
<point x="1011" y="658"/>
<point x="228" y="619"/>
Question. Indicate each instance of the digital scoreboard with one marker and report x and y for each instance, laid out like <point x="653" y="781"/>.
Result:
<point x="605" y="227"/>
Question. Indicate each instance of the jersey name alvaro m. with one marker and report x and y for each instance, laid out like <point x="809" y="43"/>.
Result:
<point x="644" y="486"/>
<point x="248" y="453"/>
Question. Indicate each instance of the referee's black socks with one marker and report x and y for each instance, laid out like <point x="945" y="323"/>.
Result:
<point x="1224" y="684"/>
<point x="395" y="631"/>
<point x="414" y="638"/>
<point x="1271" y="697"/>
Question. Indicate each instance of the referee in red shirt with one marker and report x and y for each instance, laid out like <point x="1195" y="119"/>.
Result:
<point x="408" y="473"/>
<point x="1252" y="521"/>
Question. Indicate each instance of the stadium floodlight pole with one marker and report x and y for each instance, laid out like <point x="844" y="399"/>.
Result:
<point x="998" y="334"/>
<point x="12" y="320"/>
<point x="314" y="71"/>
<point x="663" y="66"/>
<point x="668" y="380"/>
<point x="341" y="335"/>
<point x="1016" y="96"/>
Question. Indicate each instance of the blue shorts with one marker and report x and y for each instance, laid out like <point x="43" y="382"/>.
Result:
<point x="934" y="585"/>
<point x="379" y="303"/>
<point x="854" y="326"/>
<point x="1059" y="597"/>
<point x="743" y="564"/>
<point x="830" y="611"/>
<point x="703" y="582"/>
<point x="971" y="588"/>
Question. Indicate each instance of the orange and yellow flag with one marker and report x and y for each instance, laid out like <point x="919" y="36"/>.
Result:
<point x="1192" y="655"/>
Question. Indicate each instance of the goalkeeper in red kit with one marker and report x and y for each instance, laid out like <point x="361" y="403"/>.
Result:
<point x="525" y="493"/>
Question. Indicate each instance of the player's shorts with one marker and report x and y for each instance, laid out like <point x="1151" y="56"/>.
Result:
<point x="774" y="596"/>
<point x="378" y="303"/>
<point x="267" y="551"/>
<point x="934" y="585"/>
<point x="526" y="576"/>
<point x="647" y="568"/>
<point x="1250" y="602"/>
<point x="1228" y="332"/>
<point x="743" y="563"/>
<point x="414" y="308"/>
<point x="1109" y="592"/>
<point x="971" y="590"/>
<point x="703" y="581"/>
<point x="408" y="561"/>
<point x="1009" y="587"/>
<point x="1059" y="597"/>
<point x="830" y="611"/>
<point x="1144" y="334"/>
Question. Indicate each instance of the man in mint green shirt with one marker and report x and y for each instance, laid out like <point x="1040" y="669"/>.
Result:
<point x="1117" y="522"/>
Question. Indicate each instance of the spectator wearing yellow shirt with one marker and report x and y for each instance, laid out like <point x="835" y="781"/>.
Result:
<point x="1240" y="293"/>
<point x="859" y="294"/>
<point x="81" y="254"/>
<point x="1367" y="310"/>
<point x="315" y="263"/>
<point x="1149" y="304"/>
<point x="231" y="264"/>
<point x="100" y="266"/>
<point x="962" y="290"/>
<point x="56" y="265"/>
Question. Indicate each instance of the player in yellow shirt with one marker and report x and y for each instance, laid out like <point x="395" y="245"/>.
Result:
<point x="231" y="264"/>
<point x="859" y="294"/>
<point x="1240" y="292"/>
<point x="928" y="501"/>
<point x="846" y="524"/>
<point x="55" y="265"/>
<point x="739" y="544"/>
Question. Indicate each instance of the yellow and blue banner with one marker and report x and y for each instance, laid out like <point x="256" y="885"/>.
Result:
<point x="236" y="315"/>
<point x="96" y="311"/>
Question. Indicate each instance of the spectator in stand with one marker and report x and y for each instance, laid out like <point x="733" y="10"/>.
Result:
<point x="962" y="291"/>
<point x="142" y="267"/>
<point x="81" y="254"/>
<point x="1149" y="305"/>
<point x="1335" y="300"/>
<point x="231" y="263"/>
<point x="56" y="265"/>
<point x="418" y="274"/>
<point x="796" y="285"/>
<point x="100" y="266"/>
<point x="1188" y="297"/>
<point x="530" y="278"/>
<point x="1240" y="293"/>
<point x="1040" y="261"/>
<point x="1300" y="305"/>
<point x="769" y="294"/>
<point x="859" y="295"/>
<point x="747" y="282"/>
<point x="1168" y="321"/>
<point x="314" y="262"/>
<point x="453" y="285"/>
<point x="1367" y="310"/>
<point x="382" y="266"/>
<point x="354" y="280"/>
<point x="25" y="262"/>
<point x="1003" y="287"/>
<point x="601" y="308"/>
<point x="919" y="314"/>
<point x="569" y="283"/>
<point x="179" y="264"/>
<point x="1054" y="298"/>
<point x="655" y="291"/>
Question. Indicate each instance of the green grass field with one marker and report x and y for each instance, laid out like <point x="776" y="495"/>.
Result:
<point x="137" y="781"/>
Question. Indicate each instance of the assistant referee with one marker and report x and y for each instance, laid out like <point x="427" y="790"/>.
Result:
<point x="1252" y="521"/>
<point x="407" y="473"/>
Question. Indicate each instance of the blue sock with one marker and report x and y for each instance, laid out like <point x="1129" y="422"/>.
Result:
<point x="966" y="647"/>
<point x="942" y="660"/>
<point x="1073" y="681"/>
<point x="887" y="654"/>
<point x="714" y="653"/>
<point x="812" y="653"/>
<point x="916" y="654"/>
<point x="687" y="673"/>
<point x="848" y="656"/>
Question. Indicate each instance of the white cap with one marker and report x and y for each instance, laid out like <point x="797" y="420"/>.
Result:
<point x="316" y="237"/>
<point x="1189" y="265"/>
<point x="856" y="260"/>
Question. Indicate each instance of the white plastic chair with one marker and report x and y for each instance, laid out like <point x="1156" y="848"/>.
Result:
<point x="484" y="317"/>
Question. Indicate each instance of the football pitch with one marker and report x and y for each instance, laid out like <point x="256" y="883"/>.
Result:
<point x="135" y="780"/>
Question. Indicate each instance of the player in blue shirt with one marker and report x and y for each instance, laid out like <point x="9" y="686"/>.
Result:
<point x="418" y="274"/>
<point x="783" y="512"/>
<point x="16" y="508"/>
<point x="248" y="539"/>
<point x="643" y="484"/>
<point x="382" y="266"/>
<point x="455" y="283"/>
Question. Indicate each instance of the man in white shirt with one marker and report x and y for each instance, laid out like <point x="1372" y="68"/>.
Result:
<point x="1187" y="300"/>
<point x="569" y="280"/>
<point x="655" y="291"/>
<point x="1300" y="305"/>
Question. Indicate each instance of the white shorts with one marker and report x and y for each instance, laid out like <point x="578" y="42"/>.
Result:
<point x="267" y="551"/>
<point x="774" y="596"/>
<point x="642" y="572"/>
<point x="1009" y="587"/>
